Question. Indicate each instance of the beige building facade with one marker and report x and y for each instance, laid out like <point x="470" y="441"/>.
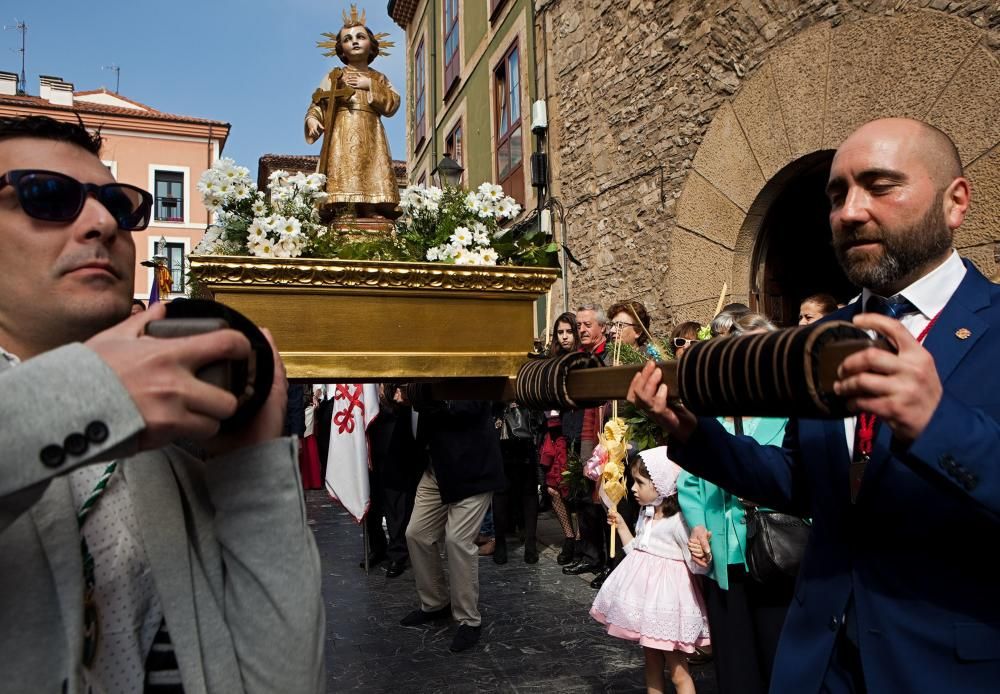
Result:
<point x="160" y="152"/>
<point x="690" y="140"/>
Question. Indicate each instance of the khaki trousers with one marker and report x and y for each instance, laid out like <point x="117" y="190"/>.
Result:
<point x="457" y="524"/>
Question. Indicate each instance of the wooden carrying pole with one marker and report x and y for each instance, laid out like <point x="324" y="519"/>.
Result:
<point x="780" y="374"/>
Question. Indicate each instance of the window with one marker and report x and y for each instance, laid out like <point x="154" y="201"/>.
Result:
<point x="419" y="103"/>
<point x="452" y="64"/>
<point x="422" y="181"/>
<point x="510" y="170"/>
<point x="453" y="144"/>
<point x="169" y="196"/>
<point x="175" y="261"/>
<point x="495" y="6"/>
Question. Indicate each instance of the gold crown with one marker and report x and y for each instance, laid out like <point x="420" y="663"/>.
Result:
<point x="353" y="20"/>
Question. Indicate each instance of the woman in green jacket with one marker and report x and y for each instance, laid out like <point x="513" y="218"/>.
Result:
<point x="744" y="616"/>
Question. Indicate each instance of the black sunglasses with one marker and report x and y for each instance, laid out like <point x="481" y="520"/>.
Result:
<point x="55" y="197"/>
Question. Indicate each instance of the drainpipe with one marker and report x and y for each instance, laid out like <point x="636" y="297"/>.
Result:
<point x="434" y="73"/>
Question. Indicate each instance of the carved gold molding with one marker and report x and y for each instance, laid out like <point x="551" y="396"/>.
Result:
<point x="233" y="272"/>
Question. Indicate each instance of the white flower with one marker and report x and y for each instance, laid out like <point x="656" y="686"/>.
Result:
<point x="259" y="208"/>
<point x="461" y="237"/>
<point x="288" y="226"/>
<point x="471" y="201"/>
<point x="504" y="208"/>
<point x="484" y="209"/>
<point x="434" y="253"/>
<point x="316" y="182"/>
<point x="481" y="238"/>
<point x="264" y="249"/>
<point x="489" y="256"/>
<point x="490" y="191"/>
<point x="241" y="191"/>
<point x="256" y="233"/>
<point x="463" y="256"/>
<point x="434" y="193"/>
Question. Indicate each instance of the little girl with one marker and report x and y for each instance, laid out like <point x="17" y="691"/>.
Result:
<point x="652" y="597"/>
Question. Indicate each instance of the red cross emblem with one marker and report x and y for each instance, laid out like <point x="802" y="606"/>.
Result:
<point x="344" y="419"/>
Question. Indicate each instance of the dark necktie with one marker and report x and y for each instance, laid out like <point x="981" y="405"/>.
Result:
<point x="866" y="426"/>
<point x="894" y="307"/>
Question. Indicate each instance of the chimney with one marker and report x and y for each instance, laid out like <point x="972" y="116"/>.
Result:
<point x="55" y="90"/>
<point x="8" y="84"/>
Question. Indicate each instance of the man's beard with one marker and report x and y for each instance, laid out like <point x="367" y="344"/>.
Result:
<point x="903" y="250"/>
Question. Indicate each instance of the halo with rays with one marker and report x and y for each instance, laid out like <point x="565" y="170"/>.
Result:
<point x="352" y="20"/>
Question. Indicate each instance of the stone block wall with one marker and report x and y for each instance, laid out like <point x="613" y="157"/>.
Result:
<point x="634" y="86"/>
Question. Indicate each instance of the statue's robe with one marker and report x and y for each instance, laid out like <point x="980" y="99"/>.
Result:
<point x="355" y="155"/>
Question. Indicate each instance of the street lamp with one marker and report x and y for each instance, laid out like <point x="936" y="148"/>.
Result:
<point x="449" y="172"/>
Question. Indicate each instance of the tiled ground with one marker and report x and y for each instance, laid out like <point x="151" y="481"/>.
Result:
<point x="537" y="635"/>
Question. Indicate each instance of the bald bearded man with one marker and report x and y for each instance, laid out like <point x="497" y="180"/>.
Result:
<point x="905" y="500"/>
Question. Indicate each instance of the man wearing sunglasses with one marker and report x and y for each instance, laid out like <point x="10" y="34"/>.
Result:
<point x="112" y="538"/>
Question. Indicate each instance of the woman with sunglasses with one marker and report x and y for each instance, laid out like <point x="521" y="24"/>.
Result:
<point x="555" y="444"/>
<point x="683" y="336"/>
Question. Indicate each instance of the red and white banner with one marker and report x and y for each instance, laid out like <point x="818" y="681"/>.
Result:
<point x="355" y="405"/>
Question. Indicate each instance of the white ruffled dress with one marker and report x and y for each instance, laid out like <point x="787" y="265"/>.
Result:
<point x="652" y="596"/>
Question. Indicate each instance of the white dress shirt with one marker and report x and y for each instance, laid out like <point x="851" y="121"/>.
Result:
<point x="929" y="294"/>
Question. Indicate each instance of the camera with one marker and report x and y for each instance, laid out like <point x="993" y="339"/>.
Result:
<point x="248" y="379"/>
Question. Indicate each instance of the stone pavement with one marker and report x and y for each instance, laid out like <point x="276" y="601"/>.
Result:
<point x="537" y="633"/>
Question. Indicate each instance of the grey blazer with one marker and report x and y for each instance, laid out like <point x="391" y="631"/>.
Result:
<point x="234" y="562"/>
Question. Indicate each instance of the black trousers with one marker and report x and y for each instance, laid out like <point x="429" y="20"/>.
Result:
<point x="518" y="500"/>
<point x="398" y="507"/>
<point x="377" y="543"/>
<point x="594" y="532"/>
<point x="745" y="622"/>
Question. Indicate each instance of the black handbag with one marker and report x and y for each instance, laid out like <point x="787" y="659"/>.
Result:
<point x="775" y="543"/>
<point x="518" y="423"/>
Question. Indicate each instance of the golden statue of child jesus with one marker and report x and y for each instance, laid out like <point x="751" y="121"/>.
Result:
<point x="347" y="111"/>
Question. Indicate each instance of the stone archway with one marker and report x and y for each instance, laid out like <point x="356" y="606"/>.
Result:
<point x="805" y="97"/>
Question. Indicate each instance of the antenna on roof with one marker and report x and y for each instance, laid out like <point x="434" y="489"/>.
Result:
<point x="22" y="84"/>
<point x="118" y="74"/>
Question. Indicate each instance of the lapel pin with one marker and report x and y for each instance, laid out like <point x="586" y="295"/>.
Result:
<point x="963" y="333"/>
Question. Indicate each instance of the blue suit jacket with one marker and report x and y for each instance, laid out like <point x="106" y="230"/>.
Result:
<point x="912" y="549"/>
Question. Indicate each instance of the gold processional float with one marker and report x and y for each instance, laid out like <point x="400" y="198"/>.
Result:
<point x="467" y="330"/>
<point x="470" y="332"/>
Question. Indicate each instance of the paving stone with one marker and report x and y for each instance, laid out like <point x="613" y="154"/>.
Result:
<point x="537" y="633"/>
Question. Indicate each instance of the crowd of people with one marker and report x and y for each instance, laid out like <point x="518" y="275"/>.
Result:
<point x="146" y="550"/>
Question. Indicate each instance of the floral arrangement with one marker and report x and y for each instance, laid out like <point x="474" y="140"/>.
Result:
<point x="446" y="225"/>
<point x="451" y="225"/>
<point x="282" y="224"/>
<point x="461" y="228"/>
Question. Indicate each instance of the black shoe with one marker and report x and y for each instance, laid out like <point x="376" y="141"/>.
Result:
<point x="530" y="555"/>
<point x="374" y="559"/>
<point x="465" y="638"/>
<point x="418" y="617"/>
<point x="584" y="567"/>
<point x="500" y="553"/>
<point x="601" y="577"/>
<point x="566" y="555"/>
<point x="396" y="568"/>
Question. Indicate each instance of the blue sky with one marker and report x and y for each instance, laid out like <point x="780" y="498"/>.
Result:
<point x="253" y="63"/>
